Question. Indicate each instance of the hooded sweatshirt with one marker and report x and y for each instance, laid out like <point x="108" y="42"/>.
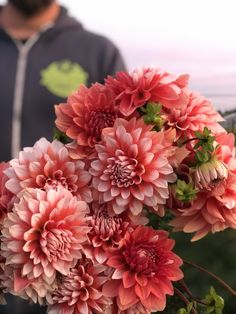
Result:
<point x="42" y="71"/>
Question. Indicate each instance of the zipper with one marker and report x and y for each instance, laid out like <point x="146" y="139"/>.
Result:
<point x="23" y="50"/>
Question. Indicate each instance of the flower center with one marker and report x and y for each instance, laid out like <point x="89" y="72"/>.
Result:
<point x="99" y="120"/>
<point x="55" y="243"/>
<point x="142" y="259"/>
<point x="124" y="171"/>
<point x="53" y="182"/>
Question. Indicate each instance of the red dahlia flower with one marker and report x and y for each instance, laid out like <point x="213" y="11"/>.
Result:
<point x="144" y="267"/>
<point x="84" y="116"/>
<point x="148" y="85"/>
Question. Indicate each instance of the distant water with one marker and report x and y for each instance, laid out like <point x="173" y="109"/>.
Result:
<point x="222" y="102"/>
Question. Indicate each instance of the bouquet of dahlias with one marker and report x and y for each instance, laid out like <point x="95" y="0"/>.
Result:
<point x="86" y="219"/>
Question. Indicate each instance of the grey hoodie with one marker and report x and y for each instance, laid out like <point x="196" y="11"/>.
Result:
<point x="41" y="72"/>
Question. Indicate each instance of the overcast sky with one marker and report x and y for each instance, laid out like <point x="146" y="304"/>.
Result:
<point x="193" y="36"/>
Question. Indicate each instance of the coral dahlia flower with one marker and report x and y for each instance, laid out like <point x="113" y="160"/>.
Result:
<point x="193" y="116"/>
<point x="86" y="113"/>
<point x="144" y="268"/>
<point x="212" y="211"/>
<point x="80" y="292"/>
<point x="131" y="168"/>
<point x="48" y="165"/>
<point x="148" y="85"/>
<point x="44" y="235"/>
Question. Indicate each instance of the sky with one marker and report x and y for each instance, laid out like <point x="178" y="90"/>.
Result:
<point x="184" y="36"/>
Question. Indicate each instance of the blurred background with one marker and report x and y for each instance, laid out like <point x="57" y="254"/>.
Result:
<point x="184" y="36"/>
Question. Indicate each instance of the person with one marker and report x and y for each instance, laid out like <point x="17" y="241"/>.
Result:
<point x="44" y="55"/>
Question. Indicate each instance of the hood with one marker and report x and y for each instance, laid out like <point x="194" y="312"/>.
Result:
<point x="63" y="22"/>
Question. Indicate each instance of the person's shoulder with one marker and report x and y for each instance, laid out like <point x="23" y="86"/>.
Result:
<point x="95" y="38"/>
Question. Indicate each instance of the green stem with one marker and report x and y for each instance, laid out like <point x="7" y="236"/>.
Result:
<point x="184" y="299"/>
<point x="221" y="281"/>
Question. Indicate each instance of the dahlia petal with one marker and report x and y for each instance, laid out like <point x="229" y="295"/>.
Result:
<point x="197" y="223"/>
<point x="17" y="231"/>
<point x="135" y="207"/>
<point x="141" y="280"/>
<point x="118" y="274"/>
<point x="125" y="193"/>
<point x="110" y="288"/>
<point x="128" y="279"/>
<point x="27" y="268"/>
<point x="153" y="303"/>
<point x="117" y="208"/>
<point x="127" y="297"/>
<point x="13" y="186"/>
<point x="142" y="292"/>
<point x="137" y="194"/>
<point x="103" y="186"/>
<point x="82" y="307"/>
<point x="20" y="284"/>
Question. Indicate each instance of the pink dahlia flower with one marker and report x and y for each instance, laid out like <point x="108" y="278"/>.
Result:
<point x="6" y="197"/>
<point x="131" y="168"/>
<point x="86" y="113"/>
<point x="80" y="292"/>
<point x="44" y="235"/>
<point x="193" y="116"/>
<point x="106" y="231"/>
<point x="48" y="165"/>
<point x="144" y="268"/>
<point x="148" y="85"/>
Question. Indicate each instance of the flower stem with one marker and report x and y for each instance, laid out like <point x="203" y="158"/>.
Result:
<point x="184" y="299"/>
<point x="221" y="281"/>
<point x="190" y="140"/>
<point x="189" y="293"/>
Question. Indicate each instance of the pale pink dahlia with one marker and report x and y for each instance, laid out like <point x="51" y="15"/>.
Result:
<point x="131" y="168"/>
<point x="86" y="113"/>
<point x="144" y="268"/>
<point x="80" y="292"/>
<point x="6" y="197"/>
<point x="106" y="231"/>
<point x="44" y="235"/>
<point x="148" y="85"/>
<point x="193" y="116"/>
<point x="48" y="165"/>
<point x="210" y="174"/>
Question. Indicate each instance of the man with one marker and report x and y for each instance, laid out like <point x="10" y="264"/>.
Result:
<point x="44" y="56"/>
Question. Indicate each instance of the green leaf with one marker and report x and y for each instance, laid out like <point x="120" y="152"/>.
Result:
<point x="60" y="136"/>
